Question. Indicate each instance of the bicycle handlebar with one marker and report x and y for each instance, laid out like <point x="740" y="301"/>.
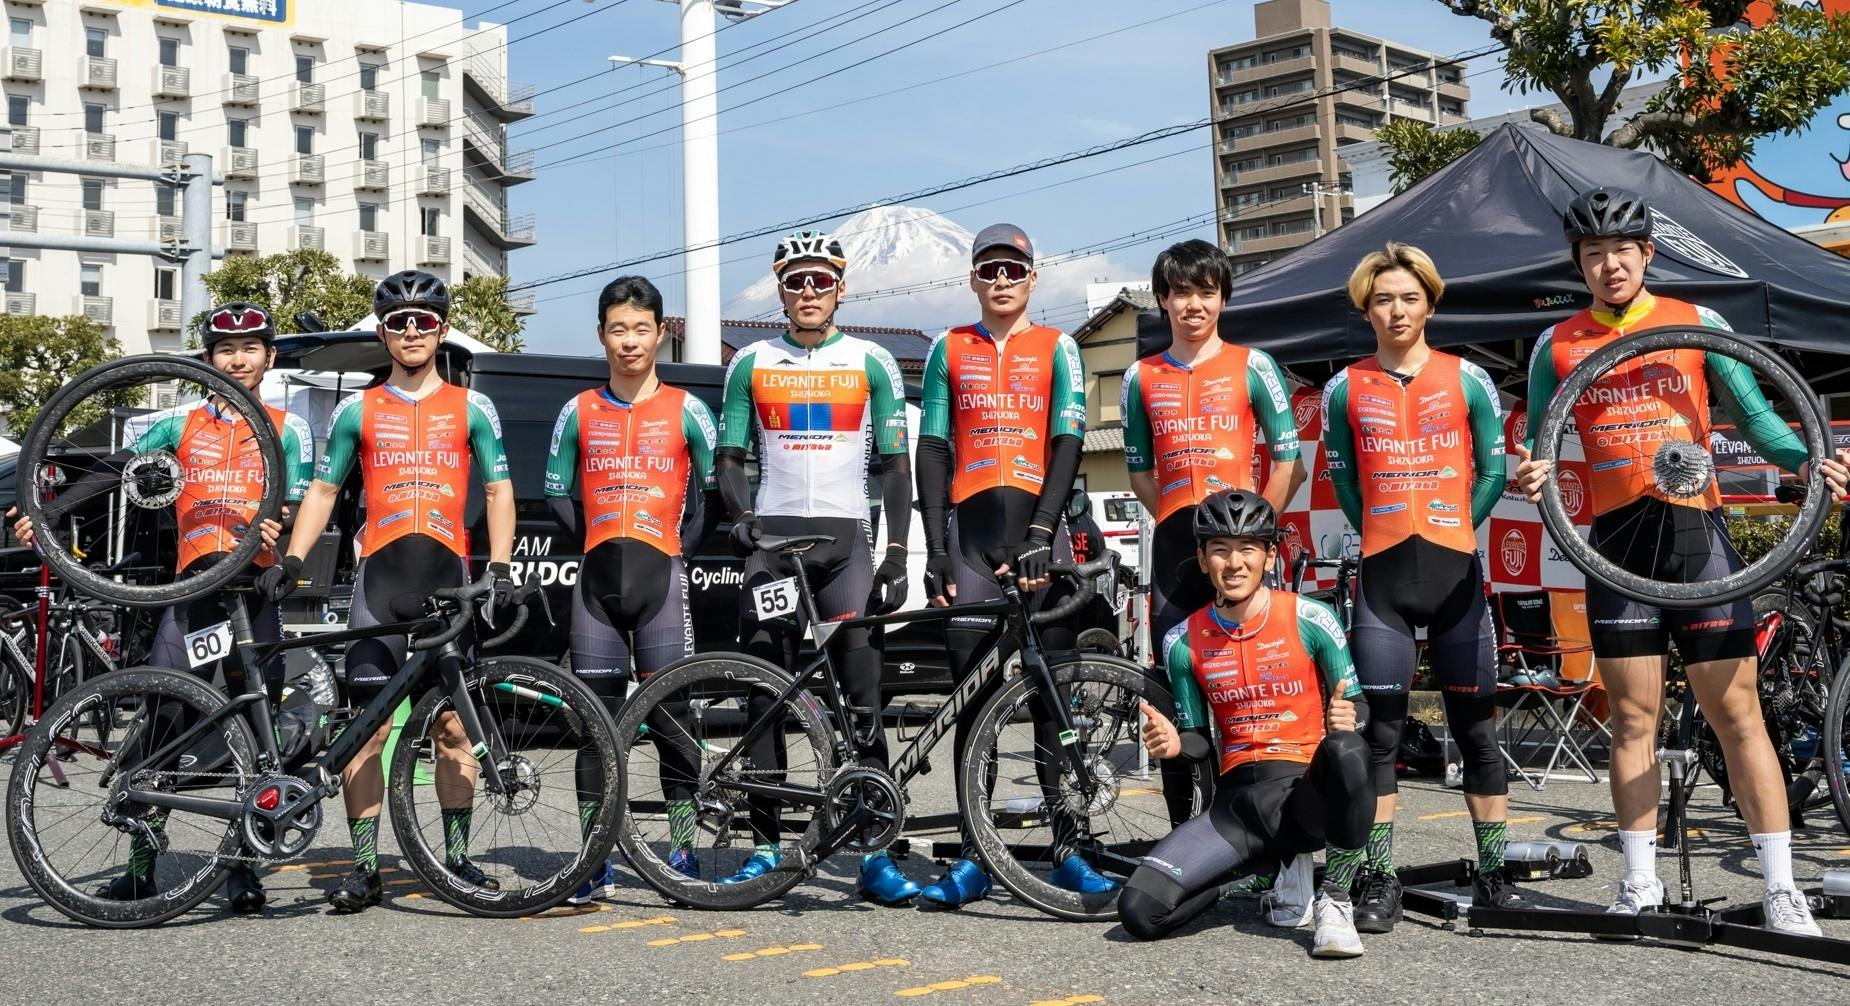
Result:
<point x="1083" y="576"/>
<point x="465" y="598"/>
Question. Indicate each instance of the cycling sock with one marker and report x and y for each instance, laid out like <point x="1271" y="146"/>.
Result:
<point x="1640" y="848"/>
<point x="456" y="833"/>
<point x="1340" y="867"/>
<point x="365" y="834"/>
<point x="141" y="852"/>
<point x="1381" y="847"/>
<point x="681" y="823"/>
<point x="1492" y="836"/>
<point x="1775" y="852"/>
<point x="587" y="816"/>
<point x="1263" y="881"/>
<point x="770" y="852"/>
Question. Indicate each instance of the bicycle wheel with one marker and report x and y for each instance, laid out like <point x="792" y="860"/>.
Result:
<point x="677" y="726"/>
<point x="217" y="481"/>
<point x="1676" y="468"/>
<point x="1025" y="822"/>
<point x="555" y="820"/>
<point x="1834" y="744"/>
<point x="18" y="641"/>
<point x="70" y="835"/>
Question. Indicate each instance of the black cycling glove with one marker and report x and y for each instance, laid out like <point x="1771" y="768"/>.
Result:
<point x="1033" y="555"/>
<point x="939" y="575"/>
<point x="279" y="581"/>
<point x="745" y="535"/>
<point x="889" y="583"/>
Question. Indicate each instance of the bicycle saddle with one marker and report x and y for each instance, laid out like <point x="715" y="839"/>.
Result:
<point x="785" y="544"/>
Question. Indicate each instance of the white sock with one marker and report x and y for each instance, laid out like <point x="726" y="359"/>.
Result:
<point x="1775" y="852"/>
<point x="1640" y="855"/>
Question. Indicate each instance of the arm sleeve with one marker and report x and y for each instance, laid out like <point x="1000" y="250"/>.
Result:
<point x="935" y="393"/>
<point x="886" y="402"/>
<point x="1066" y="412"/>
<point x="562" y="455"/>
<point x="1740" y="396"/>
<point x="735" y="406"/>
<point x="702" y="508"/>
<point x="343" y="443"/>
<point x="1062" y="466"/>
<point x="1542" y="383"/>
<point x="896" y="497"/>
<point x="1265" y="389"/>
<point x="569" y="513"/>
<point x="1139" y="445"/>
<point x="934" y="475"/>
<point x="485" y="439"/>
<point x="1339" y="449"/>
<point x="298" y="444"/>
<point x="1324" y="641"/>
<point x="735" y="490"/>
<point x="1179" y="663"/>
<point x="1488" y="472"/>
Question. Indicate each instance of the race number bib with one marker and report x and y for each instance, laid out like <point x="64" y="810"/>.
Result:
<point x="208" y="645"/>
<point x="776" y="599"/>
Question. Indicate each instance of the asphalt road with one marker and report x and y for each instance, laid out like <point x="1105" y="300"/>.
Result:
<point x="821" y="945"/>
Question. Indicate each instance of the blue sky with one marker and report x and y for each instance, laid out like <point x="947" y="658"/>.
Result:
<point x="618" y="204"/>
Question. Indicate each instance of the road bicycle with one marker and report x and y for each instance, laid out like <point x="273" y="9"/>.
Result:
<point x="1053" y="758"/>
<point x="82" y="638"/>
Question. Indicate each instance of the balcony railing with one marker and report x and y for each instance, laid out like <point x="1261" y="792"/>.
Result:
<point x="375" y="105"/>
<point x="305" y="236"/>
<point x="163" y="316"/>
<point x="238" y="235"/>
<point x="96" y="309"/>
<point x="522" y="303"/>
<point x="164" y="229"/>
<point x="436" y="251"/>
<point x="98" y="72"/>
<point x="520" y="228"/>
<point x="24" y="64"/>
<point x="372" y="246"/>
<point x="99" y="147"/>
<point x="373" y="175"/>
<point x="173" y="82"/>
<point x="240" y="162"/>
<point x="520" y="164"/>
<point x="434" y="181"/>
<point x="99" y="224"/>
<point x="25" y="139"/>
<point x="164" y="152"/>
<point x="434" y="113"/>
<point x="21" y="303"/>
<point x="22" y="217"/>
<point x="307" y="169"/>
<point x="307" y="98"/>
<point x="240" y="89"/>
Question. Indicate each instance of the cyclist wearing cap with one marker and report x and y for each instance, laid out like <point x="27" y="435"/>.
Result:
<point x="1004" y="413"/>
<point x="819" y="405"/>
<point x="1193" y="416"/>
<point x="1271" y="671"/>
<point x="211" y="514"/>
<point x="1609" y="232"/>
<point x="1413" y="441"/>
<point x="413" y="438"/>
<point x="630" y="474"/>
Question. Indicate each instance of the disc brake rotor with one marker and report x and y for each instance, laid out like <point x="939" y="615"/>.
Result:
<point x="152" y="481"/>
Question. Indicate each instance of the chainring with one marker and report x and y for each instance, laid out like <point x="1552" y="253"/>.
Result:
<point x="281" y="816"/>
<point x="873" y="795"/>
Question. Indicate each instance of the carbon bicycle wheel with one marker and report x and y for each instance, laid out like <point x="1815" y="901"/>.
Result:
<point x="688" y="826"/>
<point x="1834" y="744"/>
<point x="1025" y="821"/>
<point x="71" y="835"/>
<point x="554" y="820"/>
<point x="98" y="413"/>
<point x="1679" y="471"/>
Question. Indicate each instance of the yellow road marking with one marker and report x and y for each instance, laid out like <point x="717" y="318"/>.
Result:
<point x="772" y="951"/>
<point x="400" y="883"/>
<point x="718" y="934"/>
<point x="1445" y="814"/>
<point x="1073" y="1000"/>
<point x="311" y="866"/>
<point x="1140" y="791"/>
<point x="660" y="920"/>
<point x="1594" y="826"/>
<point x="1843" y="852"/>
<point x="1526" y="820"/>
<point x="947" y="986"/>
<point x="890" y="962"/>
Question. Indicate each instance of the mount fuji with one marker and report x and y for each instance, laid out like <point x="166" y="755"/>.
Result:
<point x="908" y="267"/>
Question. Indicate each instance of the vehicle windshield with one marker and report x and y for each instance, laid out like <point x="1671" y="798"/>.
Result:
<point x="1123" y="511"/>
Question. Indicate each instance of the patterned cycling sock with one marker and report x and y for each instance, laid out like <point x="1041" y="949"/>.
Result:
<point x="456" y="833"/>
<point x="1339" y="869"/>
<point x="1261" y="882"/>
<point x="1492" y="836"/>
<point x="1381" y="847"/>
<point x="364" y="831"/>
<point x="681" y="823"/>
<point x="141" y="852"/>
<point x="587" y="817"/>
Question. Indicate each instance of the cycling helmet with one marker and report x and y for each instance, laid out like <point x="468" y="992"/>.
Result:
<point x="1235" y="513"/>
<point x="411" y="288"/>
<point x="805" y="246"/>
<point x="1606" y="213"/>
<point x="239" y="317"/>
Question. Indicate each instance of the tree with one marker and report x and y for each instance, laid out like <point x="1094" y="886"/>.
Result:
<point x="306" y="279"/>
<point x="1416" y="150"/>
<point x="38" y="354"/>
<point x="1741" y="69"/>
<point x="479" y="308"/>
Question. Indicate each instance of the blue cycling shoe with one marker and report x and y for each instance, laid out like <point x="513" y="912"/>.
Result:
<point x="963" y="883"/>
<point x="1076" y="875"/>
<point x="683" y="862"/>
<point x="603" y="884"/>
<point x="760" y="864"/>
<point x="881" y="881"/>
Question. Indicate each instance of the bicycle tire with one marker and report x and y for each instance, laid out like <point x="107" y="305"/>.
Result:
<point x="734" y="669"/>
<point x="37" y="445"/>
<point x="1837" y="729"/>
<point x="194" y="884"/>
<point x="1751" y="577"/>
<point x="996" y="716"/>
<point x="585" y="712"/>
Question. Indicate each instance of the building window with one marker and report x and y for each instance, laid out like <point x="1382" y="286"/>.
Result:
<point x="369" y="76"/>
<point x="17" y="105"/>
<point x="19" y="32"/>
<point x="432" y="82"/>
<point x="234" y="205"/>
<point x="1249" y="164"/>
<point x="428" y="220"/>
<point x="166" y="201"/>
<point x="91" y="282"/>
<point x="93" y="193"/>
<point x="166" y="283"/>
<point x="304" y="211"/>
<point x="16" y="188"/>
<point x="240" y="59"/>
<point x="96" y="42"/>
<point x="167" y="125"/>
<point x="304" y="69"/>
<point x="369" y="146"/>
<point x="93" y="117"/>
<point x="369" y="217"/>
<point x="170" y="52"/>
<point x="433" y="153"/>
<point x="304" y="139"/>
<point x="235" y="131"/>
<point x="15" y="275"/>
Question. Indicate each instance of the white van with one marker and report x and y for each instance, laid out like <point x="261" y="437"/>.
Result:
<point x="1119" y="517"/>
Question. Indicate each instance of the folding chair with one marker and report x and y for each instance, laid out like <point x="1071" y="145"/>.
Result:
<point x="1543" y="683"/>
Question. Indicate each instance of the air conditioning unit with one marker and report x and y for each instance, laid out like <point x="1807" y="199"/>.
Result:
<point x="305" y="236"/>
<point x="99" y="147"/>
<point x="24" y="65"/>
<point x="372" y="246"/>
<point x="98" y="72"/>
<point x="96" y="309"/>
<point x="166" y="230"/>
<point x="306" y="98"/>
<point x="240" y="162"/>
<point x="99" y="224"/>
<point x="372" y="105"/>
<point x="163" y="315"/>
<point x="374" y="175"/>
<point x="240" y="89"/>
<point x="167" y="152"/>
<point x="172" y="82"/>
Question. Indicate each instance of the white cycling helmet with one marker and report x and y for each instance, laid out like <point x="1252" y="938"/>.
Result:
<point x="804" y="246"/>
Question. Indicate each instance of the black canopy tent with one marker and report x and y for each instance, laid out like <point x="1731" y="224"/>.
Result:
<point x="1491" y="221"/>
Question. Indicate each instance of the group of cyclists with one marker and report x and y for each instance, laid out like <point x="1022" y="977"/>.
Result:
<point x="1292" y="718"/>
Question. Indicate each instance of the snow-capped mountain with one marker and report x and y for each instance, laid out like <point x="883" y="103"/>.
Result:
<point x="908" y="266"/>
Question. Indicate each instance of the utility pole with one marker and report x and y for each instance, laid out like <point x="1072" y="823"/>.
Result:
<point x="1322" y="191"/>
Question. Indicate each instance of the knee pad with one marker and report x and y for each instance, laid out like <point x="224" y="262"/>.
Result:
<point x="1473" y="725"/>
<point x="1387" y="719"/>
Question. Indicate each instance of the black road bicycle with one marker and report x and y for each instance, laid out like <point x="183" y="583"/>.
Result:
<point x="1052" y="766"/>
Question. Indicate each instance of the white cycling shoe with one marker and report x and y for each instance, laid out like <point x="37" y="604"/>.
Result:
<point x="1787" y="912"/>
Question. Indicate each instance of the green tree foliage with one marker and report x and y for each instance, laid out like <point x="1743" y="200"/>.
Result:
<point x="1731" y="81"/>
<point x="479" y="308"/>
<point x="1416" y="150"/>
<point x="306" y="279"/>
<point x="39" y="354"/>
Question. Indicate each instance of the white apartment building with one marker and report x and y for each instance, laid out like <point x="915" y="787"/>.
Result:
<point x="370" y="128"/>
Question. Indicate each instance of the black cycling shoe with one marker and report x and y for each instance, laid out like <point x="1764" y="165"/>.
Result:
<point x="469" y="873"/>
<point x="361" y="890"/>
<point x="245" y="891"/>
<point x="1495" y="889"/>
<point x="1377" y="903"/>
<point x="127" y="887"/>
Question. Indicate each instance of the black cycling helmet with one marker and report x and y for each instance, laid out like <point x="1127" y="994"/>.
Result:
<point x="1235" y="513"/>
<point x="1606" y="213"/>
<point x="237" y="318"/>
<point x="411" y="288"/>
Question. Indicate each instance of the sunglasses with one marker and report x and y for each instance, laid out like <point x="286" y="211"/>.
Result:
<point x="238" y="321"/>
<point x="819" y="280"/>
<point x="398" y="321"/>
<point x="994" y="269"/>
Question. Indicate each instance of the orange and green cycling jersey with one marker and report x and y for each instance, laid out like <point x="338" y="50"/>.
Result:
<point x="223" y="473"/>
<point x="1418" y="456"/>
<point x="1000" y="407"/>
<point x="1197" y="425"/>
<point x="414" y="460"/>
<point x="1646" y="402"/>
<point x="631" y="463"/>
<point x="1261" y="686"/>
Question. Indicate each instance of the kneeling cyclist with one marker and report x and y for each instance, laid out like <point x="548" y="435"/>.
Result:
<point x="1294" y="774"/>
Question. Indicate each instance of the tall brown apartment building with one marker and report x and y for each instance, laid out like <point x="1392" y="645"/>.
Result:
<point x="1279" y="130"/>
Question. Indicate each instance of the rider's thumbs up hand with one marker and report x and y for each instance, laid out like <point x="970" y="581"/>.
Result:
<point x="1160" y="736"/>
